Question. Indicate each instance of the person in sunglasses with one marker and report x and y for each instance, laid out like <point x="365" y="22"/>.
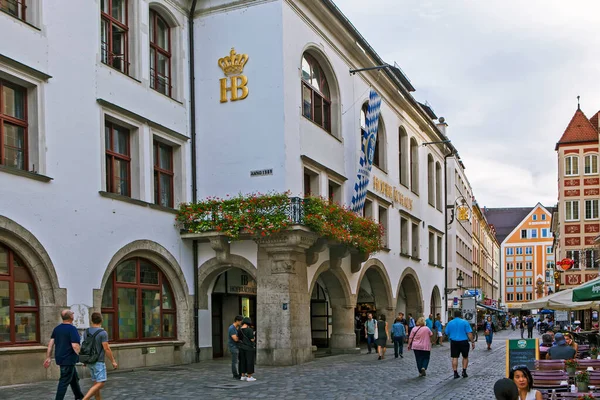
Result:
<point x="521" y="375"/>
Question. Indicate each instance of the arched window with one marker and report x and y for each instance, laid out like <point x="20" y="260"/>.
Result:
<point x="403" y="156"/>
<point x="438" y="186"/>
<point x="414" y="166"/>
<point x="379" y="156"/>
<point x="571" y="165"/>
<point x="19" y="307"/>
<point x="316" y="97"/>
<point x="591" y="164"/>
<point x="430" y="180"/>
<point x="160" y="54"/>
<point x="138" y="303"/>
<point x="115" y="34"/>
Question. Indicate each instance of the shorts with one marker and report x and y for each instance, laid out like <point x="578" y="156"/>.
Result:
<point x="460" y="347"/>
<point x="98" y="371"/>
<point x="440" y="333"/>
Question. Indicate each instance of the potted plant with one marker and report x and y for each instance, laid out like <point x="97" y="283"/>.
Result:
<point x="587" y="396"/>
<point x="594" y="352"/>
<point x="582" y="379"/>
<point x="571" y="365"/>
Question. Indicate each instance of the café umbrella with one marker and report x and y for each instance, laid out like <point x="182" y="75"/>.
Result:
<point x="560" y="301"/>
<point x="589" y="291"/>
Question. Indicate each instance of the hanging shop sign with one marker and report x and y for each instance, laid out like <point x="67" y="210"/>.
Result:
<point x="391" y="192"/>
<point x="565" y="264"/>
<point x="233" y="67"/>
<point x="463" y="213"/>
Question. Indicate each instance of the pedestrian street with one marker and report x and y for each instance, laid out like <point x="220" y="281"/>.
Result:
<point x="336" y="377"/>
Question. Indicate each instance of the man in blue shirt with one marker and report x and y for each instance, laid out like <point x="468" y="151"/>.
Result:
<point x="460" y="334"/>
<point x="232" y="341"/>
<point x="66" y="338"/>
<point x="411" y="323"/>
<point x="370" y="326"/>
<point x="429" y="324"/>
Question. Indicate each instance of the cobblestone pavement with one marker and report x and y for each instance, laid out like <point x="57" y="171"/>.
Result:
<point x="345" y="377"/>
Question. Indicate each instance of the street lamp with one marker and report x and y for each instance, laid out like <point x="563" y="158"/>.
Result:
<point x="459" y="283"/>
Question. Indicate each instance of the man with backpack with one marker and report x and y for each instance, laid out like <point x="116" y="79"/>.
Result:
<point x="94" y="347"/>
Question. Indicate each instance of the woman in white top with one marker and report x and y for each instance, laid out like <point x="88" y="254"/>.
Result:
<point x="521" y="375"/>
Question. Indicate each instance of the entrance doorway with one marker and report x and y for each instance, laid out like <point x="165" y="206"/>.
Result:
<point x="319" y="317"/>
<point x="234" y="293"/>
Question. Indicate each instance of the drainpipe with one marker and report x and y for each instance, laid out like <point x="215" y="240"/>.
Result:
<point x="194" y="175"/>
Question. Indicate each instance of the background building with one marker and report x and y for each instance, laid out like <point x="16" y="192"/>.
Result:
<point x="485" y="247"/>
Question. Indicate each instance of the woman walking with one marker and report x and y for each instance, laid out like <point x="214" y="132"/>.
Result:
<point x="398" y="335"/>
<point x="420" y="342"/>
<point x="382" y="336"/>
<point x="488" y="330"/>
<point x="522" y="326"/>
<point x="247" y="351"/>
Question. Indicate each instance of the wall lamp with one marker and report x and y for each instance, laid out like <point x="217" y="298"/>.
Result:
<point x="459" y="283"/>
<point x="439" y="142"/>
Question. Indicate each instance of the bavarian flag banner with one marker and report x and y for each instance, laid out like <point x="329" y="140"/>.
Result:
<point x="367" y="152"/>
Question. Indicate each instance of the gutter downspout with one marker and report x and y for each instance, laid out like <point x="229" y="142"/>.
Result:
<point x="194" y="174"/>
<point x="451" y="154"/>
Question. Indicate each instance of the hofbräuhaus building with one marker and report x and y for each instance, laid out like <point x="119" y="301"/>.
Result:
<point x="152" y="104"/>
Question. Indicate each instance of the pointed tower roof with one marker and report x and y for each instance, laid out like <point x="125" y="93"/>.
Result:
<point x="579" y="130"/>
<point x="594" y="120"/>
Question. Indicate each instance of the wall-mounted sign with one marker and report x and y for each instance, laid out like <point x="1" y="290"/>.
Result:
<point x="565" y="263"/>
<point x="463" y="213"/>
<point x="233" y="66"/>
<point x="262" y="172"/>
<point x="391" y="192"/>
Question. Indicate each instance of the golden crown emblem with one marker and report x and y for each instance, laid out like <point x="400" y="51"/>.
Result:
<point x="233" y="64"/>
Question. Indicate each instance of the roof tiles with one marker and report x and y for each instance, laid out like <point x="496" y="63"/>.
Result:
<point x="579" y="130"/>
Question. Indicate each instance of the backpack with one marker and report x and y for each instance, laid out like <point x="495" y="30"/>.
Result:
<point x="89" y="353"/>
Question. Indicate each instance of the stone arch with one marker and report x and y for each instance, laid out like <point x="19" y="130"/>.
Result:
<point x="342" y="304"/>
<point x="169" y="266"/>
<point x="211" y="269"/>
<point x="380" y="282"/>
<point x="409" y="294"/>
<point x="51" y="297"/>
<point x="336" y="104"/>
<point x="435" y="304"/>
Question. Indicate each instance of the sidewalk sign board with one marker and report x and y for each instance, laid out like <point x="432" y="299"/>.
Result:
<point x="469" y="310"/>
<point x="521" y="352"/>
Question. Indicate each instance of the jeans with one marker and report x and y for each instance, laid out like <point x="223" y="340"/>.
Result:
<point x="371" y="340"/>
<point x="235" y="352"/>
<point x="422" y="357"/>
<point x="398" y="345"/>
<point x="530" y="333"/>
<point x="68" y="377"/>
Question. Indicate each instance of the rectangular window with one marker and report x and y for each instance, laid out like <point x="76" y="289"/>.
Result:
<point x="534" y="217"/>
<point x="334" y="192"/>
<point x="415" y="240"/>
<point x="431" y="248"/>
<point x="440" y="251"/>
<point x="368" y="209"/>
<point x="519" y="296"/>
<point x="519" y="266"/>
<point x="160" y="54"/>
<point x="572" y="165"/>
<point x="519" y="281"/>
<point x="528" y="250"/>
<point x="574" y="255"/>
<point x="311" y="184"/>
<point x="545" y="232"/>
<point x="163" y="174"/>
<point x="383" y="221"/>
<point x="509" y="251"/>
<point x="510" y="297"/>
<point x="519" y="250"/>
<point x="13" y="126"/>
<point x="572" y="210"/>
<point x="510" y="281"/>
<point x="533" y="233"/>
<point x="523" y="233"/>
<point x="115" y="34"/>
<point x="118" y="159"/>
<point x="549" y="250"/>
<point x="529" y="281"/>
<point x="510" y="266"/>
<point x="591" y="209"/>
<point x="404" y="236"/>
<point x="15" y="8"/>
<point x="528" y="265"/>
<point x="529" y="296"/>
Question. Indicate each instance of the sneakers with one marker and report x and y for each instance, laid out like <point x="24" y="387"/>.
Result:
<point x="464" y="374"/>
<point x="456" y="376"/>
<point x="250" y="379"/>
<point x="243" y="378"/>
<point x="423" y="372"/>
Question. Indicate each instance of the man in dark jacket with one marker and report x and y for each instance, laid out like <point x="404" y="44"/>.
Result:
<point x="530" y="325"/>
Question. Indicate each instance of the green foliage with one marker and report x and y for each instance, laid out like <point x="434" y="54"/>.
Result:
<point x="582" y="376"/>
<point x="265" y="214"/>
<point x="572" y="363"/>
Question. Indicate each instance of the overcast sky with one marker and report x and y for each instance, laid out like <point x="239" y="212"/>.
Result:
<point x="504" y="73"/>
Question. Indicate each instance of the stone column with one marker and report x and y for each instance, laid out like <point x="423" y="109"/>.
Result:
<point x="283" y="301"/>
<point x="343" y="336"/>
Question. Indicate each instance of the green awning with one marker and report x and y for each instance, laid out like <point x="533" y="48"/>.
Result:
<point x="589" y="291"/>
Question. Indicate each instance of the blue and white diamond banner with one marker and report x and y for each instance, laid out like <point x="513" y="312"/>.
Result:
<point x="367" y="152"/>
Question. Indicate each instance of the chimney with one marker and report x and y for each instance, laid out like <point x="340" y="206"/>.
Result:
<point x="442" y="125"/>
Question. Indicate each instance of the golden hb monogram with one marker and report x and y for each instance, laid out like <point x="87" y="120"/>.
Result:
<point x="233" y="66"/>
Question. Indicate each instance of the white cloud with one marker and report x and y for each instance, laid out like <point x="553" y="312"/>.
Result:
<point x="504" y="73"/>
